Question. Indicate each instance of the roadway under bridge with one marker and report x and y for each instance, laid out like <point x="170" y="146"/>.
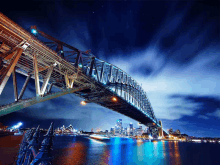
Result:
<point x="54" y="63"/>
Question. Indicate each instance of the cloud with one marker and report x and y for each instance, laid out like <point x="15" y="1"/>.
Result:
<point x="203" y="117"/>
<point x="215" y="114"/>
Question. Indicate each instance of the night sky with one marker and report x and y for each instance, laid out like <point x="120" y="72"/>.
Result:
<point x="171" y="48"/>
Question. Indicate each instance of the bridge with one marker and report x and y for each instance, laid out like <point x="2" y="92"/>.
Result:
<point x="53" y="63"/>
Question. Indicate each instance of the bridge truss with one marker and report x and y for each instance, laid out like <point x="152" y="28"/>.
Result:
<point x="57" y="64"/>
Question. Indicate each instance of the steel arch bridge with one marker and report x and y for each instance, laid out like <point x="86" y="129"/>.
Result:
<point x="57" y="64"/>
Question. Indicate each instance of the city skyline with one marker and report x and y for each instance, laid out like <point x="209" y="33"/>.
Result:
<point x="173" y="54"/>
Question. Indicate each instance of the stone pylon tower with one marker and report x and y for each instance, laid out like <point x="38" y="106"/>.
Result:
<point x="160" y="129"/>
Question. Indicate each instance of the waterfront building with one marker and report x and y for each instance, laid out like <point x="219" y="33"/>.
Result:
<point x="117" y="130"/>
<point x="170" y="131"/>
<point x="177" y="131"/>
<point x="63" y="128"/>
<point x="125" y="131"/>
<point x="112" y="131"/>
<point x="118" y="126"/>
<point x="145" y="129"/>
<point x="131" y="129"/>
<point x="139" y="131"/>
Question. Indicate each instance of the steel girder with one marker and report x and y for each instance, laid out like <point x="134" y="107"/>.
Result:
<point x="72" y="70"/>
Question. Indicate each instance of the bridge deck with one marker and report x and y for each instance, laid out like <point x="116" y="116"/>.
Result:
<point x="96" y="80"/>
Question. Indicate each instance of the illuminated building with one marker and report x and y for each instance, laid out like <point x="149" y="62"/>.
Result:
<point x="70" y="128"/>
<point x="131" y="129"/>
<point x="177" y="131"/>
<point x="112" y="131"/>
<point x="125" y="131"/>
<point x="170" y="131"/>
<point x="118" y="126"/>
<point x="139" y="131"/>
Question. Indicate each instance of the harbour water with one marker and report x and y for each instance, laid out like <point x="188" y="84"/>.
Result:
<point x="78" y="150"/>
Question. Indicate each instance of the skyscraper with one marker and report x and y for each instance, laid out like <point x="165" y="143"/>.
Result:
<point x="112" y="131"/>
<point x="131" y="129"/>
<point x="118" y="126"/>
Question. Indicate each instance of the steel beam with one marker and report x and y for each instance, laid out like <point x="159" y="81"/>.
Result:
<point x="10" y="69"/>
<point x="50" y="87"/>
<point x="24" y="87"/>
<point x="4" y="110"/>
<point x="71" y="82"/>
<point x="110" y="74"/>
<point x="15" y="85"/>
<point x="67" y="80"/>
<point x="91" y="66"/>
<point x="46" y="80"/>
<point x="116" y="78"/>
<point x="77" y="59"/>
<point x="97" y="74"/>
<point x="102" y="71"/>
<point x="36" y="76"/>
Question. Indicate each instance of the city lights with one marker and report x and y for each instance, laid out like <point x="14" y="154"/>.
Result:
<point x="17" y="125"/>
<point x="83" y="103"/>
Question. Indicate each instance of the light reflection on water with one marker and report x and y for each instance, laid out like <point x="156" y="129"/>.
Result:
<point x="80" y="150"/>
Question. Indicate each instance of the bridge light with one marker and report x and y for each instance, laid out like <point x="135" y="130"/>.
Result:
<point x="34" y="31"/>
<point x="61" y="51"/>
<point x="114" y="99"/>
<point x="80" y="65"/>
<point x="83" y="103"/>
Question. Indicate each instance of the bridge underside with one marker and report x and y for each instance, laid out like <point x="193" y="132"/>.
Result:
<point x="79" y="72"/>
<point x="103" y="97"/>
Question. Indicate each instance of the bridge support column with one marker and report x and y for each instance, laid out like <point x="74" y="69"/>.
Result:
<point x="5" y="73"/>
<point x="24" y="87"/>
<point x="36" y="76"/>
<point x="15" y="85"/>
<point x="46" y="80"/>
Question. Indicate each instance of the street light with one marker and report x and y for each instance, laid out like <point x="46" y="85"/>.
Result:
<point x="83" y="103"/>
<point x="114" y="99"/>
<point x="34" y="31"/>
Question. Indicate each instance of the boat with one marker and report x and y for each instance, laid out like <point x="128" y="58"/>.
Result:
<point x="99" y="137"/>
<point x="18" y="133"/>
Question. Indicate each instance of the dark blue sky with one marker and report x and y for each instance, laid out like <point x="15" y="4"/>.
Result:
<point x="171" y="48"/>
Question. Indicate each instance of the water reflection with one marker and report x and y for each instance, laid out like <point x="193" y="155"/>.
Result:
<point x="177" y="154"/>
<point x="81" y="150"/>
<point x="115" y="151"/>
<point x="75" y="153"/>
<point x="99" y="152"/>
<point x="174" y="154"/>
